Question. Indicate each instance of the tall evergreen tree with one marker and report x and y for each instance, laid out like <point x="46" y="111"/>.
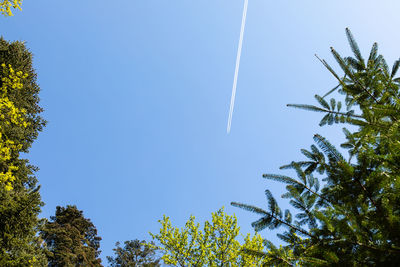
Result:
<point x="20" y="123"/>
<point x="348" y="209"/>
<point x="71" y="239"/>
<point x="135" y="253"/>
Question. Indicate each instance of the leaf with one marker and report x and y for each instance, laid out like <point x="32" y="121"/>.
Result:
<point x="300" y="163"/>
<point x="284" y="237"/>
<point x="354" y="47"/>
<point x="311" y="168"/>
<point x="272" y="204"/>
<point x="339" y="106"/>
<point x="282" y="178"/>
<point x="395" y="68"/>
<point x="262" y="223"/>
<point x="373" y="53"/>
<point x="307" y="153"/>
<point x="333" y="103"/>
<point x="385" y="66"/>
<point x="250" y="208"/>
<point x="288" y="216"/>
<point x="328" y="148"/>
<point x="316" y="185"/>
<point x="353" y="63"/>
<point x="300" y="173"/>
<point x="330" y="119"/>
<point x="332" y="90"/>
<point x="322" y="102"/>
<point x="343" y="64"/>
<point x="306" y="107"/>
<point x="297" y="205"/>
<point x="324" y="120"/>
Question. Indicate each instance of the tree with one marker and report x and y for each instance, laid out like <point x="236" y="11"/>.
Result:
<point x="134" y="253"/>
<point x="348" y="209"/>
<point x="215" y="245"/>
<point x="71" y="239"/>
<point x="20" y="124"/>
<point x="7" y="5"/>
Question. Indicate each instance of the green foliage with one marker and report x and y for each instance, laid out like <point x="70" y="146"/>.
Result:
<point x="214" y="245"/>
<point x="134" y="253"/>
<point x="6" y="6"/>
<point x="20" y="200"/>
<point x="71" y="239"/>
<point x="353" y="219"/>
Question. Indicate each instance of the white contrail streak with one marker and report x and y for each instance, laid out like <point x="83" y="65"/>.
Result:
<point x="239" y="52"/>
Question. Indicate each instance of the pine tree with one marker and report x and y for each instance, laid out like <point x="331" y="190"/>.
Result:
<point x="20" y="123"/>
<point x="347" y="208"/>
<point x="71" y="239"/>
<point x="135" y="253"/>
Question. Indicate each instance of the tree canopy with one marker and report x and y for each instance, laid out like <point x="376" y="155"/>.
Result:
<point x="20" y="124"/>
<point x="71" y="239"/>
<point x="214" y="245"/>
<point x="134" y="253"/>
<point x="347" y="208"/>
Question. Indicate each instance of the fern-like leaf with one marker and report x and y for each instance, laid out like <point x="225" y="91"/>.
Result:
<point x="282" y="178"/>
<point x="306" y="107"/>
<point x="328" y="148"/>
<point x="343" y="65"/>
<point x="322" y="102"/>
<point x="354" y="47"/>
<point x="395" y="68"/>
<point x="251" y="208"/>
<point x="372" y="54"/>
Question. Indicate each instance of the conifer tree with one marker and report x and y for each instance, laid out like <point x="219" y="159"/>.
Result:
<point x="20" y="123"/>
<point x="71" y="239"/>
<point x="134" y="253"/>
<point x="347" y="208"/>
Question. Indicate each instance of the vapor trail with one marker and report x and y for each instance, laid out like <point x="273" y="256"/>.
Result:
<point x="239" y="52"/>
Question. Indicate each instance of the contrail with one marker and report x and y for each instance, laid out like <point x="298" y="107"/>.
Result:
<point x="239" y="52"/>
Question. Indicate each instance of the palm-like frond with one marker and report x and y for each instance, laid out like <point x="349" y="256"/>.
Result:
<point x="307" y="107"/>
<point x="282" y="178"/>
<point x="272" y="204"/>
<point x="395" y="68"/>
<point x="343" y="65"/>
<point x="328" y="148"/>
<point x="322" y="102"/>
<point x="251" y="208"/>
<point x="373" y="54"/>
<point x="300" y="163"/>
<point x="355" y="48"/>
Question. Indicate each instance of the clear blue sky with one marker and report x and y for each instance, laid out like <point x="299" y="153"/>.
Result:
<point x="137" y="96"/>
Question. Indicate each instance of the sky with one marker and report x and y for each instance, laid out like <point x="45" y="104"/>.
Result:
<point x="136" y="95"/>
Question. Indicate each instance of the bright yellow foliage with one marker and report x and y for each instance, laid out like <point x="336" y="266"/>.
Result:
<point x="10" y="115"/>
<point x="32" y="262"/>
<point x="214" y="245"/>
<point x="7" y="5"/>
